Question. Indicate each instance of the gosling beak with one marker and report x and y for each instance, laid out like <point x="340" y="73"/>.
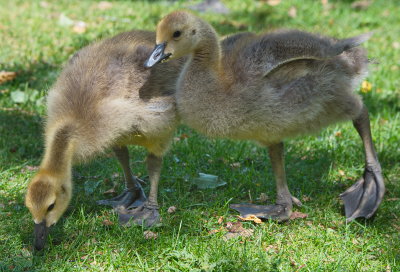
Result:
<point x="157" y="55"/>
<point x="41" y="232"/>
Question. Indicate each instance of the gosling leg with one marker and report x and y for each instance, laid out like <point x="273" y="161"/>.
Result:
<point x="282" y="210"/>
<point x="363" y="198"/>
<point x="146" y="214"/>
<point x="133" y="195"/>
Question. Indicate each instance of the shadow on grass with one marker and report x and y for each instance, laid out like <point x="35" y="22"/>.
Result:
<point x="21" y="138"/>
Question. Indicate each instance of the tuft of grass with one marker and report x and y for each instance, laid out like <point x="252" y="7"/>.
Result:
<point x="35" y="45"/>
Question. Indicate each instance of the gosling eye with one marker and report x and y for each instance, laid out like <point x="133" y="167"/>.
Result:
<point x="177" y="34"/>
<point x="50" y="207"/>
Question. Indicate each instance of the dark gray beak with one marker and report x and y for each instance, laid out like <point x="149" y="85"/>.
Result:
<point x="157" y="55"/>
<point x="41" y="232"/>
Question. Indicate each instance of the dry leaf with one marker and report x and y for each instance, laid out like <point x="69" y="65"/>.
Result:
<point x="107" y="222"/>
<point x="273" y="2"/>
<point x="366" y="86"/>
<point x="324" y="2"/>
<point x="103" y="5"/>
<point x="171" y="209"/>
<point x="79" y="27"/>
<point x="305" y="198"/>
<point x="272" y="248"/>
<point x="110" y="191"/>
<point x="236" y="230"/>
<point x="263" y="197"/>
<point x="150" y="235"/>
<point x="215" y="230"/>
<point x="393" y="199"/>
<point x="7" y="76"/>
<point x="251" y="217"/>
<point x="341" y="172"/>
<point x="44" y="4"/>
<point x="338" y="134"/>
<point x="397" y="227"/>
<point x="220" y="220"/>
<point x="396" y="45"/>
<point x="292" y="12"/>
<point x="235" y="165"/>
<point x="296" y="215"/>
<point x="364" y="4"/>
<point x="115" y="175"/>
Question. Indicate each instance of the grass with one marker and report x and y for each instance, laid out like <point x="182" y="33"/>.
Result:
<point x="320" y="167"/>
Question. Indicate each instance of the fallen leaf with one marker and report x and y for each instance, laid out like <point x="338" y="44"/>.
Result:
<point x="396" y="45"/>
<point x="236" y="230"/>
<point x="44" y="4"/>
<point x="110" y="191"/>
<point x="90" y="186"/>
<point x="296" y="215"/>
<point x="64" y="20"/>
<point x="393" y="199"/>
<point x="171" y="209"/>
<point x="79" y="27"/>
<point x="150" y="235"/>
<point x="7" y="76"/>
<point x="366" y="86"/>
<point x="292" y="12"/>
<point x="263" y="197"/>
<point x="364" y="4"/>
<point x="220" y="220"/>
<point x="324" y="2"/>
<point x="341" y="172"/>
<point x="305" y="198"/>
<point x="207" y="181"/>
<point x="271" y="248"/>
<point x="273" y="2"/>
<point x="19" y="96"/>
<point x="338" y="134"/>
<point x="183" y="136"/>
<point x="32" y="168"/>
<point x="235" y="165"/>
<point x="103" y="5"/>
<point x="107" y="222"/>
<point x="251" y="217"/>
<point x="115" y="175"/>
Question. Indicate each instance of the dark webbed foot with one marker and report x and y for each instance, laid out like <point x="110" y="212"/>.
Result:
<point x="129" y="198"/>
<point x="280" y="211"/>
<point x="362" y="199"/>
<point x="146" y="215"/>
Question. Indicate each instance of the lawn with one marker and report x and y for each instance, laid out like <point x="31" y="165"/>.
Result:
<point x="37" y="37"/>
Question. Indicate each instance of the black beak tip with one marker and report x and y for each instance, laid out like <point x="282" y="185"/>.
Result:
<point x="157" y="55"/>
<point x="41" y="232"/>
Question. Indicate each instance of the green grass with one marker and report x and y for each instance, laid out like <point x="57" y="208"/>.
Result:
<point x="319" y="167"/>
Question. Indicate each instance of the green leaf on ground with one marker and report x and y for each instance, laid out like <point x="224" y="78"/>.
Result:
<point x="207" y="181"/>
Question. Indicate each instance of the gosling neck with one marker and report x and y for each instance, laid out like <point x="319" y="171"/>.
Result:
<point x="208" y="51"/>
<point x="59" y="150"/>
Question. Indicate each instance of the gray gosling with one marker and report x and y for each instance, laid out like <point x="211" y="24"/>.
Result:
<point x="267" y="88"/>
<point x="103" y="98"/>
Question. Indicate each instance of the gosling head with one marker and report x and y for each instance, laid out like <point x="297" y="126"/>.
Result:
<point x="47" y="199"/>
<point x="177" y="35"/>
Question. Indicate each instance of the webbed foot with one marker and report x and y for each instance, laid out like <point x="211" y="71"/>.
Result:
<point x="147" y="215"/>
<point x="279" y="212"/>
<point x="362" y="199"/>
<point x="129" y="198"/>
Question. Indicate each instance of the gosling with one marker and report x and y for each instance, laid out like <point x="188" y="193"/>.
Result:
<point x="103" y="98"/>
<point x="267" y="88"/>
